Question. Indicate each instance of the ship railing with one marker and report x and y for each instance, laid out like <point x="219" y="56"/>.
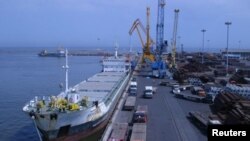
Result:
<point x="47" y="104"/>
<point x="37" y="99"/>
<point x="33" y="104"/>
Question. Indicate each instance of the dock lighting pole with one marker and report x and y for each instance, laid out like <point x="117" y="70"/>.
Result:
<point x="208" y="45"/>
<point x="227" y="24"/>
<point x="203" y="34"/>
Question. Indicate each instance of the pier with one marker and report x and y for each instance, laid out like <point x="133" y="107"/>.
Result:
<point x="61" y="53"/>
<point x="167" y="115"/>
<point x="90" y="53"/>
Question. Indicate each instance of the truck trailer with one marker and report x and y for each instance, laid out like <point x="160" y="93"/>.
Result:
<point x="129" y="103"/>
<point x="139" y="132"/>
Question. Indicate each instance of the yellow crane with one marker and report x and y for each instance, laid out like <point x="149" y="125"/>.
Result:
<point x="147" y="55"/>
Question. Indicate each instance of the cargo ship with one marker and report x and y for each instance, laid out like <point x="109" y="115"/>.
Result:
<point x="83" y="108"/>
<point x="59" y="53"/>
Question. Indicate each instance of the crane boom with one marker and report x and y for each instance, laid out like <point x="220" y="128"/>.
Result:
<point x="148" y="42"/>
<point x="173" y="64"/>
<point x="137" y="23"/>
<point x="147" y="55"/>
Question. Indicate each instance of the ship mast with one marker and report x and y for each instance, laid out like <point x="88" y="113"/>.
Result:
<point x="66" y="67"/>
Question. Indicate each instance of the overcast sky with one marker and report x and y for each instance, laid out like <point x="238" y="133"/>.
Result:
<point x="99" y="23"/>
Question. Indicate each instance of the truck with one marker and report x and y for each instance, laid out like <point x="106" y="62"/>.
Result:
<point x="185" y="87"/>
<point x="176" y="90"/>
<point x="119" y="132"/>
<point x="133" y="88"/>
<point x="189" y="96"/>
<point x="194" y="97"/>
<point x="140" y="115"/>
<point x="198" y="91"/>
<point x="148" y="92"/>
<point x="129" y="103"/>
<point x="202" y="121"/>
<point x="139" y="132"/>
<point x="168" y="83"/>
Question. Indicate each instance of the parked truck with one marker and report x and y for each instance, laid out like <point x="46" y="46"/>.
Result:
<point x="198" y="94"/>
<point x="193" y="97"/>
<point x="133" y="88"/>
<point x="198" y="91"/>
<point x="202" y="121"/>
<point x="140" y="115"/>
<point x="129" y="103"/>
<point x="197" y="98"/>
<point x="139" y="132"/>
<point x="119" y="132"/>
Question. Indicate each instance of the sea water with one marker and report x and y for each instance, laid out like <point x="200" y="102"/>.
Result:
<point x="24" y="75"/>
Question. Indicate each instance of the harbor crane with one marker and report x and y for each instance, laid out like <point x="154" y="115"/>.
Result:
<point x="159" y="66"/>
<point x="160" y="45"/>
<point x="148" y="56"/>
<point x="173" y="61"/>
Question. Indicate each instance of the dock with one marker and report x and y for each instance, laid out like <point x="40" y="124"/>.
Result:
<point x="167" y="115"/>
<point x="90" y="53"/>
<point x="46" y="53"/>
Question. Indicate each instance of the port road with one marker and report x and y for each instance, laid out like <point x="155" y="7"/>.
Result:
<point x="167" y="114"/>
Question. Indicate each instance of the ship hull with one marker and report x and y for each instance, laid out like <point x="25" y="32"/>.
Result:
<point x="84" y="130"/>
<point x="80" y="131"/>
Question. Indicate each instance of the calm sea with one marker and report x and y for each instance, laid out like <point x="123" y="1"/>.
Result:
<point x="24" y="75"/>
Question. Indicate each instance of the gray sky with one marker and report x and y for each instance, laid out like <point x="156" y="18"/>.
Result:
<point x="80" y="23"/>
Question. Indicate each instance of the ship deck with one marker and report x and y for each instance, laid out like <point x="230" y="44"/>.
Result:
<point x="99" y="86"/>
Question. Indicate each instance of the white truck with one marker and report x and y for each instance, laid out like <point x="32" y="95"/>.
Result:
<point x="148" y="92"/>
<point x="176" y="91"/>
<point x="133" y="88"/>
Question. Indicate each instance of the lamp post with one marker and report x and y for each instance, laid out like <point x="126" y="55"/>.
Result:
<point x="227" y="24"/>
<point x="203" y="34"/>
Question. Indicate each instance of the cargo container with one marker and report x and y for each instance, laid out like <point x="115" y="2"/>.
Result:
<point x="129" y="103"/>
<point x="119" y="132"/>
<point x="139" y="132"/>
